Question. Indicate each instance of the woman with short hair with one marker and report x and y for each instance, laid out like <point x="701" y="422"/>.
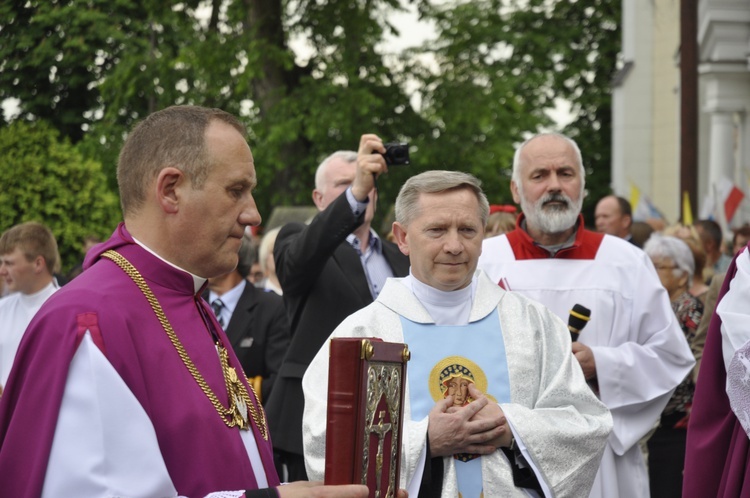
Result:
<point x="675" y="265"/>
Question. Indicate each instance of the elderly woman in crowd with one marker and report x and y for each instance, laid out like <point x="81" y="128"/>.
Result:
<point x="689" y="235"/>
<point x="675" y="266"/>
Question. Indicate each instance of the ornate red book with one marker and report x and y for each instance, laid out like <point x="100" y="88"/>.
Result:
<point x="366" y="382"/>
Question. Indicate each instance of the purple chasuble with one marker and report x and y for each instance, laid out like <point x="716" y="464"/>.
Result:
<point x="717" y="456"/>
<point x="201" y="453"/>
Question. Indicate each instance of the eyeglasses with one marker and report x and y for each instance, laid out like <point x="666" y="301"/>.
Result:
<point x="664" y="267"/>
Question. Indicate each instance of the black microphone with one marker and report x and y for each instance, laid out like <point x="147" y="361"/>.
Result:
<point x="579" y="317"/>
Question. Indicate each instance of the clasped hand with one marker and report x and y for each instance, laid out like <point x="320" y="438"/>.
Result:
<point x="479" y="427"/>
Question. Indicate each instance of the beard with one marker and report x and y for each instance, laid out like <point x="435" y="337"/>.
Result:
<point x="553" y="218"/>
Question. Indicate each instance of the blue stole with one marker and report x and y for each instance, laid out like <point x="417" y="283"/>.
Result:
<point x="444" y="360"/>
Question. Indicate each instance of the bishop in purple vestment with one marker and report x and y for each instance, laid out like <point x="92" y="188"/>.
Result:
<point x="124" y="383"/>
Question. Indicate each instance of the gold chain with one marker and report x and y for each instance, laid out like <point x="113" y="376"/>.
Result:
<point x="231" y="415"/>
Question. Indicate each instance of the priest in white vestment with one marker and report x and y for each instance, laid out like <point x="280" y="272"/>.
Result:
<point x="632" y="350"/>
<point x="528" y="424"/>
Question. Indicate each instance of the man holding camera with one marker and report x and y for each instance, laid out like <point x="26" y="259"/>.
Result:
<point x="328" y="269"/>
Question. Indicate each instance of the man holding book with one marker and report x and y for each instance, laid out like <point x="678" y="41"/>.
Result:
<point x="531" y="423"/>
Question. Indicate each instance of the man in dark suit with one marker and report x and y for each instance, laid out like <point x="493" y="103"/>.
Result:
<point x="255" y="322"/>
<point x="328" y="269"/>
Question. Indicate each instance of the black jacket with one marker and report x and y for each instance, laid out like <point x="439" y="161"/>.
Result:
<point x="323" y="282"/>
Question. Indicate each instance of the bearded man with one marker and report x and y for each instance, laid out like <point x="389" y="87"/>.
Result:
<point x="631" y="351"/>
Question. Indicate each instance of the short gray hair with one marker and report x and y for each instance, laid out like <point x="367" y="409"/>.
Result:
<point x="348" y="156"/>
<point x="434" y="182"/>
<point x="516" y="176"/>
<point x="667" y="246"/>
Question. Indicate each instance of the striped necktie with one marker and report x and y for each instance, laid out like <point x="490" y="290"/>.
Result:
<point x="217" y="305"/>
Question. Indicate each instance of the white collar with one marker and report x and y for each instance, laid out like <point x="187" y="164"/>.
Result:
<point x="197" y="281"/>
<point x="401" y="300"/>
<point x="39" y="296"/>
<point x="445" y="307"/>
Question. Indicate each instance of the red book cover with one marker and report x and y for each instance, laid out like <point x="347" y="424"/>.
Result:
<point x="366" y="382"/>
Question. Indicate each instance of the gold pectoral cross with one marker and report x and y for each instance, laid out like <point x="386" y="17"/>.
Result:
<point x="239" y="407"/>
<point x="236" y="413"/>
<point x="380" y="430"/>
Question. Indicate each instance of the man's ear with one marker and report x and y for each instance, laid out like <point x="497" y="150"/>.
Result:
<point x="167" y="185"/>
<point x="514" y="191"/>
<point x="317" y="197"/>
<point x="629" y="222"/>
<point x="399" y="236"/>
<point x="40" y="265"/>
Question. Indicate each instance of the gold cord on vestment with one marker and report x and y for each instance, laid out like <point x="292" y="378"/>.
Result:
<point x="239" y="400"/>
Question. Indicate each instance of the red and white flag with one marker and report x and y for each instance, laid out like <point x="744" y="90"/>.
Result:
<point x="730" y="197"/>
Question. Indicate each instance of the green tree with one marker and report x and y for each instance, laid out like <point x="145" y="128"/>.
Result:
<point x="308" y="109"/>
<point x="55" y="53"/>
<point x="495" y="70"/>
<point x="297" y="111"/>
<point x="46" y="179"/>
<point x="571" y="50"/>
<point x="478" y="105"/>
<point x="504" y="64"/>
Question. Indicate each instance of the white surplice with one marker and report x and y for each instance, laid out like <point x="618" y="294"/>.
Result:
<point x="640" y="352"/>
<point x="734" y="310"/>
<point x="16" y="312"/>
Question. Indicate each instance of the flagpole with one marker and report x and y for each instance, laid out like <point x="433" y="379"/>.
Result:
<point x="689" y="100"/>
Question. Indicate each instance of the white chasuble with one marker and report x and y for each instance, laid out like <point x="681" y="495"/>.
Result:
<point x="516" y="352"/>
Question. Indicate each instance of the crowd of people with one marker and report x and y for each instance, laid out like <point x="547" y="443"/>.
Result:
<point x="188" y="357"/>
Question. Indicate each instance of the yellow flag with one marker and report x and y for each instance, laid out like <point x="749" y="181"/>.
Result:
<point x="687" y="211"/>
<point x="635" y="196"/>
